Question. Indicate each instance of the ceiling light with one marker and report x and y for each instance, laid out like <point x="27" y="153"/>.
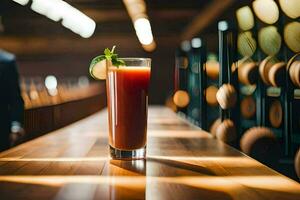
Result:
<point x="185" y="45"/>
<point x="143" y="31"/>
<point x="51" y="82"/>
<point x="71" y="18"/>
<point x="22" y="2"/>
<point x="222" y="25"/>
<point x="137" y="12"/>
<point x="196" y="42"/>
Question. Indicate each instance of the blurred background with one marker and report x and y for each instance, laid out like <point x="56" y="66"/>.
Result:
<point x="45" y="47"/>
<point x="230" y="92"/>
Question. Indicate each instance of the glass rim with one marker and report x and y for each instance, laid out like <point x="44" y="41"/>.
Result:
<point x="135" y="58"/>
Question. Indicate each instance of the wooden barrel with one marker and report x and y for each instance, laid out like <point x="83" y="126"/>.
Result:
<point x="226" y="96"/>
<point x="226" y="131"/>
<point x="276" y="74"/>
<point x="248" y="107"/>
<point x="294" y="73"/>
<point x="261" y="144"/>
<point x="248" y="73"/>
<point x="291" y="34"/>
<point x="297" y="163"/>
<point x="214" y="126"/>
<point x="264" y="68"/>
<point x="275" y="114"/>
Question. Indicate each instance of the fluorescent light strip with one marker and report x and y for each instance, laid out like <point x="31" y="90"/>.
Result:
<point x="71" y="18"/>
<point x="137" y="11"/>
<point x="143" y="31"/>
<point x="22" y="2"/>
<point x="51" y="9"/>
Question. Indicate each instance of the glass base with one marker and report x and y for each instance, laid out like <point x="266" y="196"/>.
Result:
<point x="118" y="154"/>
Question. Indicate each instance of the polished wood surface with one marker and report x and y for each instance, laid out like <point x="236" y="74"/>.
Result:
<point x="183" y="162"/>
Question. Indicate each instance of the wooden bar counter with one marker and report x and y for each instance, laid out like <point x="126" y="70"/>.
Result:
<point x="183" y="162"/>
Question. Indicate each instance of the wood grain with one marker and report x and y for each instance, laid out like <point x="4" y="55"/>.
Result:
<point x="183" y="162"/>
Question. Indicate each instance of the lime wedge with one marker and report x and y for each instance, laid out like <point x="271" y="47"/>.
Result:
<point x="98" y="68"/>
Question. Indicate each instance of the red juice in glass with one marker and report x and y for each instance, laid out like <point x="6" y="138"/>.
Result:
<point x="127" y="92"/>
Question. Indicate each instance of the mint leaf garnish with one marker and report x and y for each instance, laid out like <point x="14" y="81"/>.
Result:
<point x="111" y="56"/>
<point x="118" y="62"/>
<point x="107" y="52"/>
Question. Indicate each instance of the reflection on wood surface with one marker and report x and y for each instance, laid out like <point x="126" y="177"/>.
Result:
<point x="182" y="163"/>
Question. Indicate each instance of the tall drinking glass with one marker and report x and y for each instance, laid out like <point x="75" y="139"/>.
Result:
<point x="127" y="98"/>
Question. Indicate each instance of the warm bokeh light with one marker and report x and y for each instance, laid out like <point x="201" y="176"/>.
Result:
<point x="210" y="95"/>
<point x="181" y="98"/>
<point x="212" y="69"/>
<point x="33" y="95"/>
<point x="150" y="47"/>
